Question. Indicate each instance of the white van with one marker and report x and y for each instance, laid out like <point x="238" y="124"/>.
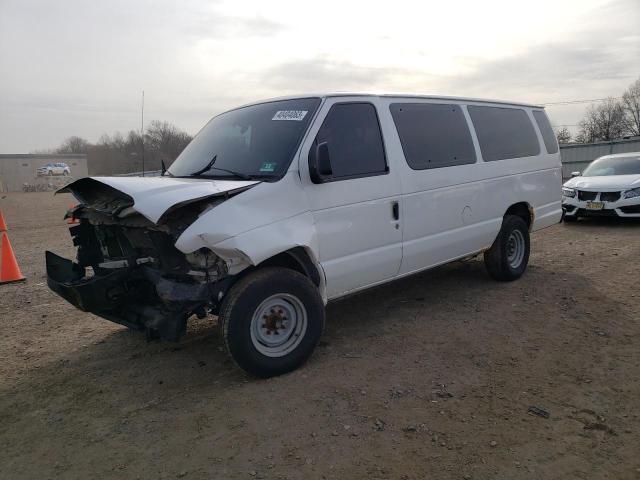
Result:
<point x="278" y="207"/>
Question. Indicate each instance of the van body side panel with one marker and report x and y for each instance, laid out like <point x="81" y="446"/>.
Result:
<point x="441" y="219"/>
<point x="354" y="249"/>
<point x="546" y="216"/>
<point x="455" y="211"/>
<point x="547" y="202"/>
<point x="442" y="224"/>
<point x="548" y="209"/>
<point x="359" y="242"/>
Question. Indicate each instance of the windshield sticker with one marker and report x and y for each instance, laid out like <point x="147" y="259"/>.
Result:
<point x="295" y="115"/>
<point x="269" y="166"/>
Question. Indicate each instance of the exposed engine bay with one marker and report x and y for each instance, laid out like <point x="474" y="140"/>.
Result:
<point x="127" y="268"/>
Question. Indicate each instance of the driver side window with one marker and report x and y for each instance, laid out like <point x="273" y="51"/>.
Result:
<point x="354" y="140"/>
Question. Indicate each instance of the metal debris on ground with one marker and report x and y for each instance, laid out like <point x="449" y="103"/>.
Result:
<point x="540" y="412"/>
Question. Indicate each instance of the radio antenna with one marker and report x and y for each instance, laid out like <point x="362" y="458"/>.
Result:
<point x="142" y="131"/>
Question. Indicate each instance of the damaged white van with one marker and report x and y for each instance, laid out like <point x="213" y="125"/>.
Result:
<point x="278" y="207"/>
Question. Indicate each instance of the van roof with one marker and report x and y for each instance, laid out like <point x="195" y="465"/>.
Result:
<point x="398" y="95"/>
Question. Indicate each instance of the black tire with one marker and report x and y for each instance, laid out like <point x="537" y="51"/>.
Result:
<point x="570" y="219"/>
<point x="500" y="261"/>
<point x="241" y="304"/>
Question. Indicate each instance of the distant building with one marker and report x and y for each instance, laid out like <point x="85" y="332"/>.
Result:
<point x="20" y="170"/>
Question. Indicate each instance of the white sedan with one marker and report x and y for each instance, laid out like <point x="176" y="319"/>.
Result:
<point x="54" y="169"/>
<point x="608" y="187"/>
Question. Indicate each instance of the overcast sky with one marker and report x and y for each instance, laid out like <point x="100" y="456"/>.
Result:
<point x="77" y="67"/>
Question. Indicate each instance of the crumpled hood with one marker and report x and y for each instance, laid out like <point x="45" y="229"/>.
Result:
<point x="607" y="182"/>
<point x="152" y="197"/>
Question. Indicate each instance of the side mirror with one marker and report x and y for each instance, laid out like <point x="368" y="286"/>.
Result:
<point x="320" y="163"/>
<point x="575" y="174"/>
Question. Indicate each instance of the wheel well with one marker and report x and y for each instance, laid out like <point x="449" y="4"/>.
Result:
<point x="522" y="210"/>
<point x="296" y="259"/>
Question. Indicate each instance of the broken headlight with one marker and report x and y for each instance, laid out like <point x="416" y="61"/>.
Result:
<point x="205" y="264"/>
<point x="203" y="258"/>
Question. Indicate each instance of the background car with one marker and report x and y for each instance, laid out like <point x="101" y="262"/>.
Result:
<point x="608" y="187"/>
<point x="54" y="169"/>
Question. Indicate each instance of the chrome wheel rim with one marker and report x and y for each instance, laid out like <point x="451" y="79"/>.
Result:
<point x="278" y="325"/>
<point x="515" y="248"/>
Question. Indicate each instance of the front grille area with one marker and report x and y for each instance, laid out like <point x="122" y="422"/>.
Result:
<point x="582" y="195"/>
<point x="631" y="209"/>
<point x="604" y="196"/>
<point x="610" y="196"/>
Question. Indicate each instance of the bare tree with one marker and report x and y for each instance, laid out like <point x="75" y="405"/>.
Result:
<point x="165" y="140"/>
<point x="631" y="107"/>
<point x="118" y="153"/>
<point x="580" y="138"/>
<point x="563" y="135"/>
<point x="603" y="121"/>
<point x="73" y="145"/>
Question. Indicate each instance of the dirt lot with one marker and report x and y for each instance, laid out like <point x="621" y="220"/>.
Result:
<point x="430" y="377"/>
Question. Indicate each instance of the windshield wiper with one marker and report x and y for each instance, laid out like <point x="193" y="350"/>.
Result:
<point x="206" y="167"/>
<point x="243" y="176"/>
<point x="164" y="170"/>
<point x="209" y="166"/>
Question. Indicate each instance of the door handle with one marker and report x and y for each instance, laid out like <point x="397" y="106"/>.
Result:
<point x="395" y="210"/>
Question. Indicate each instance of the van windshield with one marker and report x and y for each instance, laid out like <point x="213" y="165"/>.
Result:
<point x="257" y="141"/>
<point x="627" y="165"/>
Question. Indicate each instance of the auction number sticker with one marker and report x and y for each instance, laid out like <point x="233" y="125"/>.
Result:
<point x="295" y="115"/>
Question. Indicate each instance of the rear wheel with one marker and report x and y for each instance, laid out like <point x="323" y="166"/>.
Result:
<point x="271" y="321"/>
<point x="508" y="257"/>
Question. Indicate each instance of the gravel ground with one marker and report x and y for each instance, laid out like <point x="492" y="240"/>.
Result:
<point x="429" y="377"/>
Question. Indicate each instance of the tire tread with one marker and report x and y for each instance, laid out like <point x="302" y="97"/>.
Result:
<point x="231" y="299"/>
<point x="495" y="259"/>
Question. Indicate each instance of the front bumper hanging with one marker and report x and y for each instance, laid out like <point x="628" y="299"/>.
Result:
<point x="138" y="297"/>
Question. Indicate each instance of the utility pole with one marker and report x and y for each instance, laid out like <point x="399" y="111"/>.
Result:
<point x="142" y="131"/>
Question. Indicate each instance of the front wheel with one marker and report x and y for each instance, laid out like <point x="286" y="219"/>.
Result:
<point x="271" y="321"/>
<point x="508" y="257"/>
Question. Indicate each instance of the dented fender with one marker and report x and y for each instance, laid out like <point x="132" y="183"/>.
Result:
<point x="262" y="222"/>
<point x="255" y="246"/>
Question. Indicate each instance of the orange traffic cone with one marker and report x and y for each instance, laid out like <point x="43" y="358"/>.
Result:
<point x="3" y="225"/>
<point x="71" y="219"/>
<point x="9" y="270"/>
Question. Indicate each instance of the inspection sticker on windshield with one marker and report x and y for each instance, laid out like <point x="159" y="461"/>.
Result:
<point x="295" y="115"/>
<point x="268" y="167"/>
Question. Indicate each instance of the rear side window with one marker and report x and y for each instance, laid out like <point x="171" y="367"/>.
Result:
<point x="504" y="132"/>
<point x="550" y="141"/>
<point x="352" y="133"/>
<point x="433" y="135"/>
